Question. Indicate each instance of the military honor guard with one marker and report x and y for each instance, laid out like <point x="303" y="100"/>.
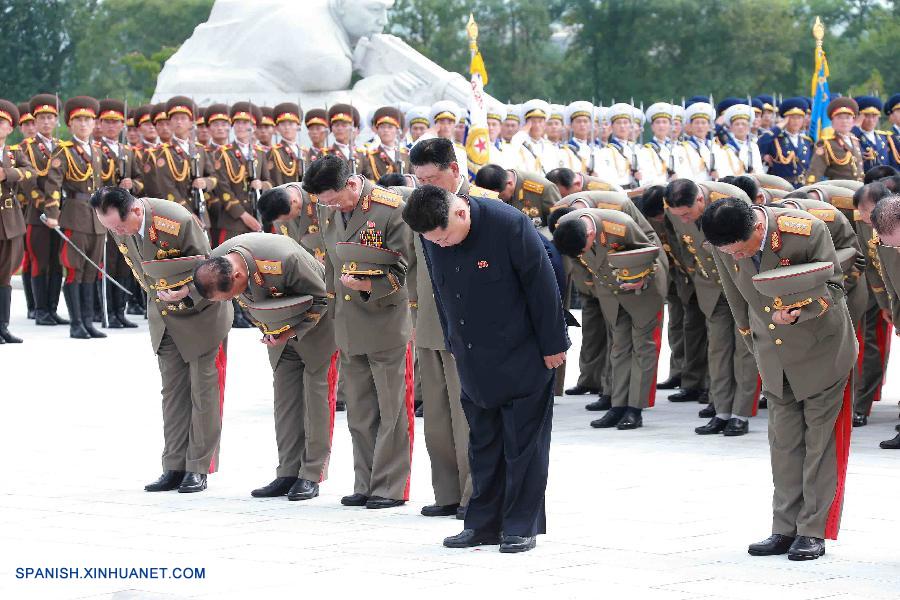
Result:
<point x="444" y="116"/>
<point x="579" y="119"/>
<point x="502" y="319"/>
<point x="694" y="156"/>
<point x="892" y="112"/>
<point x="739" y="154"/>
<point x="368" y="250"/>
<point x="316" y="122"/>
<point x="265" y="129"/>
<point x="387" y="156"/>
<point x="788" y="151"/>
<point x="218" y="122"/>
<point x="28" y="129"/>
<point x="733" y="375"/>
<point x="160" y="120"/>
<point x="16" y="178"/>
<point x="873" y="143"/>
<point x="629" y="276"/>
<point x="619" y="162"/>
<point x="162" y="243"/>
<point x="42" y="242"/>
<point x="838" y="154"/>
<point x="343" y="120"/>
<point x="782" y="278"/>
<point x="655" y="157"/>
<point x="287" y="159"/>
<point x="283" y="287"/>
<point x="529" y="192"/>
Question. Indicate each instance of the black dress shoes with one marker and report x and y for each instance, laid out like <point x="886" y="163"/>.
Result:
<point x="736" y="427"/>
<point x="167" y="482"/>
<point x="891" y="444"/>
<point x="860" y="420"/>
<point x="631" y="420"/>
<point x="685" y="396"/>
<point x="279" y="487"/>
<point x="603" y="402"/>
<point x="511" y="544"/>
<point x="355" y="500"/>
<point x="715" y="425"/>
<point x="610" y="419"/>
<point x="461" y="513"/>
<point x="707" y="412"/>
<point x="763" y="402"/>
<point x="669" y="384"/>
<point x="703" y="398"/>
<point x="303" y="489"/>
<point x="440" y="510"/>
<point x="806" y="548"/>
<point x="579" y="390"/>
<point x="470" y="538"/>
<point x="773" y="545"/>
<point x="340" y="406"/>
<point x="379" y="502"/>
<point x="192" y="482"/>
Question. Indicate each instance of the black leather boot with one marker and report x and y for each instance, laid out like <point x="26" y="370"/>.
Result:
<point x="98" y="303"/>
<point x="72" y="294"/>
<point x="42" y="314"/>
<point x="112" y="304"/>
<point x="5" y="302"/>
<point x="54" y="285"/>
<point x="29" y="294"/>
<point x="120" y="310"/>
<point x="87" y="311"/>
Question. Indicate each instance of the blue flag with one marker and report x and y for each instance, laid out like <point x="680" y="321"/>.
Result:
<point x="821" y="96"/>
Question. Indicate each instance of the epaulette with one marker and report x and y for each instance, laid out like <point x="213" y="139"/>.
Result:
<point x="14" y="147"/>
<point x="269" y="267"/>
<point x="824" y="214"/>
<point x="806" y="137"/>
<point x="225" y="147"/>
<point x="533" y="186"/>
<point x="795" y="225"/>
<point x="827" y="134"/>
<point x="614" y="228"/>
<point x="878" y="131"/>
<point x="259" y="147"/>
<point x="28" y="140"/>
<point x="481" y="192"/>
<point x="66" y="144"/>
<point x="386" y="197"/>
<point x="169" y="226"/>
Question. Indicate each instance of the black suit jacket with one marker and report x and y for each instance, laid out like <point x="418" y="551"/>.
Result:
<point x="499" y="304"/>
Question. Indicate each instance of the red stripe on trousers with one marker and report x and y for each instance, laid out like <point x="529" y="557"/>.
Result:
<point x="410" y="398"/>
<point x="64" y="259"/>
<point x="883" y="339"/>
<point x="221" y="365"/>
<point x="756" y="396"/>
<point x="657" y="341"/>
<point x="332" y="405"/>
<point x="221" y="237"/>
<point x="35" y="267"/>
<point x="842" y="430"/>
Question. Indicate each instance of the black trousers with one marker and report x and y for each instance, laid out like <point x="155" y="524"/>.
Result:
<point x="509" y="456"/>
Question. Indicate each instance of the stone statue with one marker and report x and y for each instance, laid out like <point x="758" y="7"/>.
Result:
<point x="271" y="51"/>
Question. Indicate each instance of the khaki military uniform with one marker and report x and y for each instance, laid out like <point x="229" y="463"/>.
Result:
<point x="372" y="331"/>
<point x="635" y="319"/>
<point x="188" y="337"/>
<point x="174" y="171"/>
<point x="590" y="183"/>
<point x="805" y="369"/>
<point x="375" y="162"/>
<point x="233" y="189"/>
<point x="836" y="158"/>
<point x="43" y="243"/>
<point x="732" y="370"/>
<point x="304" y="369"/>
<point x="287" y="163"/>
<point x="534" y="195"/>
<point x="19" y="177"/>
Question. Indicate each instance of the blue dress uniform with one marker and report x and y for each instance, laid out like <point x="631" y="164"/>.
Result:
<point x="874" y="145"/>
<point x="893" y="135"/>
<point x="789" y="160"/>
<point x="501" y="313"/>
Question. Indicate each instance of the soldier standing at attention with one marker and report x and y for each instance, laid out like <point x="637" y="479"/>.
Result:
<point x="272" y="273"/>
<point x="343" y="120"/>
<point x="287" y="159"/>
<point x="188" y="333"/>
<point x="388" y="156"/>
<point x="316" y="122"/>
<point x="782" y="278"/>
<point x="370" y="307"/>
<point x="837" y="154"/>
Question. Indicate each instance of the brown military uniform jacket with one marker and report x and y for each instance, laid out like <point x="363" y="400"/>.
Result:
<point x="287" y="163"/>
<point x="820" y="349"/>
<point x="374" y="163"/>
<point x="72" y="178"/>
<point x="688" y="242"/>
<point x="534" y="195"/>
<point x="305" y="229"/>
<point x="174" y="171"/>
<point x="233" y="190"/>
<point x="590" y="183"/>
<point x="145" y="156"/>
<point x="13" y="191"/>
<point x="39" y="154"/>
<point x="195" y="324"/>
<point x="616" y="231"/>
<point x="114" y="170"/>
<point x="277" y="266"/>
<point x="367" y="323"/>
<point x="834" y="158"/>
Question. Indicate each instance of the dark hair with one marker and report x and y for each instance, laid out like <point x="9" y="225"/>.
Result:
<point x="492" y="177"/>
<point x="213" y="275"/>
<point x="433" y="151"/>
<point x="879" y="172"/>
<point x="392" y="180"/>
<point x="799" y="194"/>
<point x="274" y="203"/>
<point x="556" y="215"/>
<point x="562" y="176"/>
<point x="727" y="221"/>
<point x="651" y="202"/>
<point x="871" y="192"/>
<point x="326" y="173"/>
<point x="427" y="209"/>
<point x="892" y="183"/>
<point x="743" y="182"/>
<point x="108" y="197"/>
<point x="886" y="215"/>
<point x="570" y="237"/>
<point x="681" y="192"/>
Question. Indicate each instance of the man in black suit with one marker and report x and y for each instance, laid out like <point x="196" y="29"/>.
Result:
<point x="502" y="317"/>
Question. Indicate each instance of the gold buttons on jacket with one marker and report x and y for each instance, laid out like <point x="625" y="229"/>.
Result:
<point x="771" y="325"/>
<point x="767" y="309"/>
<point x="778" y="342"/>
<point x="347" y="297"/>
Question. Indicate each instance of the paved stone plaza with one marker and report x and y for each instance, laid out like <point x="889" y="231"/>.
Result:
<point x="657" y="513"/>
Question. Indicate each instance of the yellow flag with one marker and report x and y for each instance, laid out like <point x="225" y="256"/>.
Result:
<point x="477" y="64"/>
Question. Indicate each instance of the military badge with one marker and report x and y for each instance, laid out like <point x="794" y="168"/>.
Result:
<point x="161" y="254"/>
<point x="160" y="162"/>
<point x="258" y="279"/>
<point x="785" y="262"/>
<point x="57" y="163"/>
<point x="151" y="233"/>
<point x="482" y="264"/>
